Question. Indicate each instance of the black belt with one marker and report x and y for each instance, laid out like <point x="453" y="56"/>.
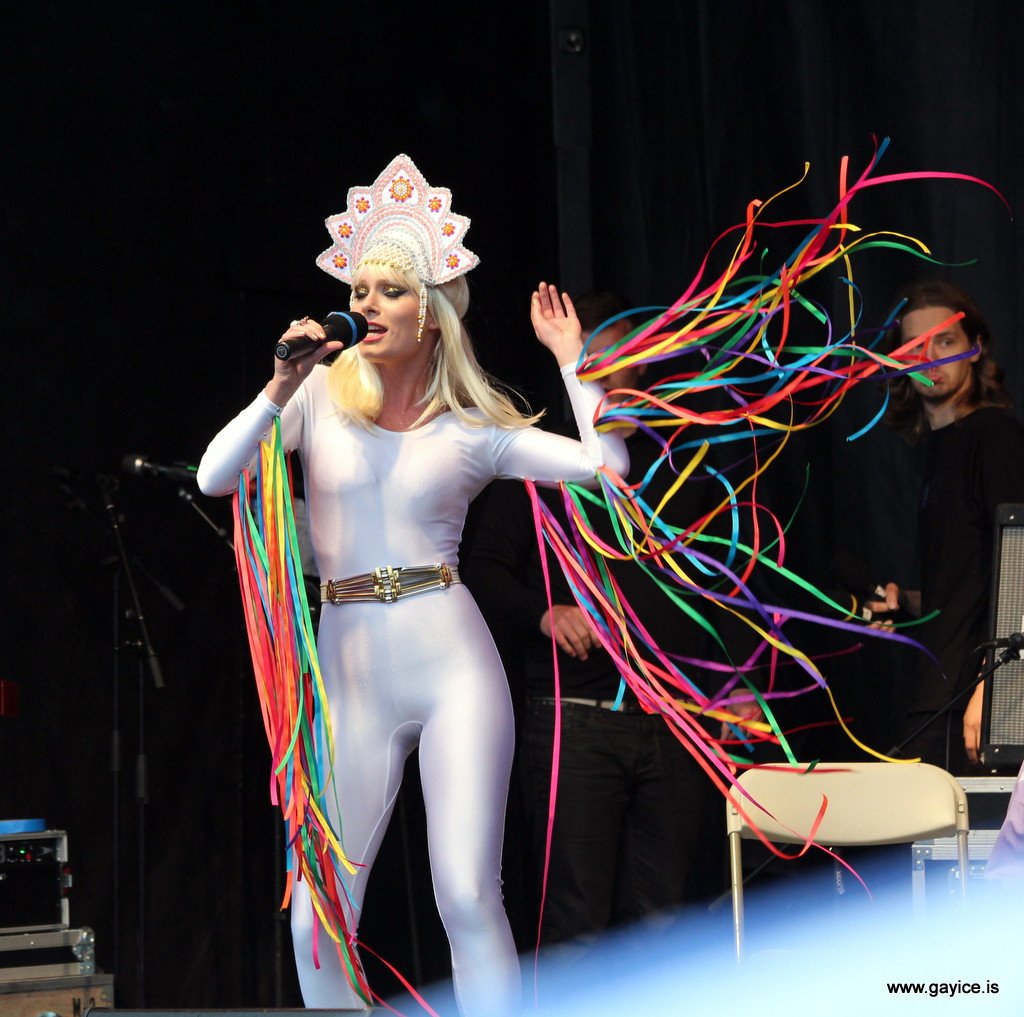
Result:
<point x="626" y="706"/>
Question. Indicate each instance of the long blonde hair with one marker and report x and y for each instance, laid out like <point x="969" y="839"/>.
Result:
<point x="456" y="382"/>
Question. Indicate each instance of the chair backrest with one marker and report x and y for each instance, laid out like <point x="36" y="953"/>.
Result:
<point x="867" y="803"/>
<point x="858" y="804"/>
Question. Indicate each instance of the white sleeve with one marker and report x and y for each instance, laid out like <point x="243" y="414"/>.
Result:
<point x="234" y="448"/>
<point x="548" y="458"/>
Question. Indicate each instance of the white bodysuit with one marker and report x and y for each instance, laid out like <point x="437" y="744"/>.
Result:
<point x="421" y="671"/>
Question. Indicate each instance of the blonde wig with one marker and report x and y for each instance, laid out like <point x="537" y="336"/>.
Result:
<point x="455" y="379"/>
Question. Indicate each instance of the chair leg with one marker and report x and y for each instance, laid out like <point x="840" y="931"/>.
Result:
<point x="917" y="862"/>
<point x="736" y="875"/>
<point x="963" y="854"/>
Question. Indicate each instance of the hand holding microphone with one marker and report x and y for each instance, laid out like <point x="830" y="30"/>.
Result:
<point x="880" y="603"/>
<point x="348" y="327"/>
<point x="300" y="349"/>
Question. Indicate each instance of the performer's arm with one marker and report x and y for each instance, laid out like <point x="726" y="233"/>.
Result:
<point x="235" y="446"/>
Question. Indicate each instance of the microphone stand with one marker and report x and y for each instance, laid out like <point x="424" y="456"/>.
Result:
<point x="115" y="769"/>
<point x="65" y="478"/>
<point x="75" y="501"/>
<point x="146" y="649"/>
<point x="107" y="487"/>
<point x="1008" y="654"/>
<point x="189" y="498"/>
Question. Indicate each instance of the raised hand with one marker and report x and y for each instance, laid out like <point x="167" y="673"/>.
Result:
<point x="555" y="322"/>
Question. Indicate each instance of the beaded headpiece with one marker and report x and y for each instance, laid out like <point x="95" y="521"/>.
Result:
<point x="399" y="220"/>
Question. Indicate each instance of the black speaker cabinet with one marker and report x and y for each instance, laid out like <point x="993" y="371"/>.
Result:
<point x="1002" y="731"/>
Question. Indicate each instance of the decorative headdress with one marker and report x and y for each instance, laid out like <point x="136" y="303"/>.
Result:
<point x="400" y="220"/>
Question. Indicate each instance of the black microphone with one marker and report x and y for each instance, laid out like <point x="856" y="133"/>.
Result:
<point x="858" y="580"/>
<point x="1014" y="641"/>
<point x="143" y="467"/>
<point x="348" y="326"/>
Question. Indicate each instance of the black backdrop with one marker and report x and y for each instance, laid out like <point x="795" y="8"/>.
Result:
<point x="166" y="172"/>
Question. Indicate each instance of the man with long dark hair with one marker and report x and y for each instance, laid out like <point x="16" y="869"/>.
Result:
<point x="974" y="461"/>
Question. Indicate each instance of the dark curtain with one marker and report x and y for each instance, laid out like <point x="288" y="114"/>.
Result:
<point x="704" y="106"/>
<point x="166" y="173"/>
<point x="168" y="168"/>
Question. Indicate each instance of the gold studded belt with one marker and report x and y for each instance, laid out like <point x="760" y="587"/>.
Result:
<point x="389" y="582"/>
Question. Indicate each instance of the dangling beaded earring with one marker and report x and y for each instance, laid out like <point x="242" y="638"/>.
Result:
<point x="422" y="319"/>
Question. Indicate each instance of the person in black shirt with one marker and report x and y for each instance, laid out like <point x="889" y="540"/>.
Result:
<point x="974" y="461"/>
<point x="638" y="825"/>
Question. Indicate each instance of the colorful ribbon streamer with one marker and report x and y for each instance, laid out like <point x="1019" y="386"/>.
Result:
<point x="734" y="336"/>
<point x="293" y="701"/>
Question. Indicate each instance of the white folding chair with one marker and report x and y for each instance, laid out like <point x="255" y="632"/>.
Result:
<point x="868" y="804"/>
